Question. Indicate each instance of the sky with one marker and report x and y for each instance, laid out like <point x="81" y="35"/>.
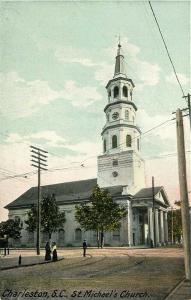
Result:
<point x="56" y="59"/>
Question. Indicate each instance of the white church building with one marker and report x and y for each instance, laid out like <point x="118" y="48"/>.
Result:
<point x="120" y="170"/>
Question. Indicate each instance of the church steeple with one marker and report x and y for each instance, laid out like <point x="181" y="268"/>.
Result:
<point x="119" y="63"/>
<point x="121" y="162"/>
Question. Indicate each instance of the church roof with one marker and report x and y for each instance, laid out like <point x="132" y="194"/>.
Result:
<point x="147" y="192"/>
<point x="66" y="193"/>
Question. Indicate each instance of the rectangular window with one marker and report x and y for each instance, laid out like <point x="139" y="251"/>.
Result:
<point x="126" y="115"/>
<point x="116" y="235"/>
<point x="115" y="162"/>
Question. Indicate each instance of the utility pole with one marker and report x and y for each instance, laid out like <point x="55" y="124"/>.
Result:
<point x="183" y="193"/>
<point x="153" y="198"/>
<point x="172" y="225"/>
<point x="38" y="161"/>
<point x="189" y="107"/>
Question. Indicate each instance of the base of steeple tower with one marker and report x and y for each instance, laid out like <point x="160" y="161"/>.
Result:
<point x="124" y="168"/>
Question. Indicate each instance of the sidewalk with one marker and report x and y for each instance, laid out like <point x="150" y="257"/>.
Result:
<point x="11" y="261"/>
<point x="181" y="292"/>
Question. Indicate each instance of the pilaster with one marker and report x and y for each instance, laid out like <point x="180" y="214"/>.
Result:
<point x="151" y="227"/>
<point x="162" y="226"/>
<point x="156" y="227"/>
<point x="165" y="227"/>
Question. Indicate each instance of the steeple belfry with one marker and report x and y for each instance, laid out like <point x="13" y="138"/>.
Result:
<point x="119" y="63"/>
<point x="121" y="162"/>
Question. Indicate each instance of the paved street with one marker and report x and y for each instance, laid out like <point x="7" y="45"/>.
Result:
<point x="113" y="273"/>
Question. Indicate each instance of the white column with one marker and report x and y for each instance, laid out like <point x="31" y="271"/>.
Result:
<point x="165" y="227"/>
<point x="162" y="226"/>
<point x="120" y="91"/>
<point x="129" y="220"/>
<point x="112" y="94"/>
<point x="156" y="227"/>
<point x="150" y="221"/>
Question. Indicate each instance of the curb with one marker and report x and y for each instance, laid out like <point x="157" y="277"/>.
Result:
<point x="174" y="289"/>
<point x="30" y="265"/>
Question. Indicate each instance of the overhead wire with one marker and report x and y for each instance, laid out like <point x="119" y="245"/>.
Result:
<point x="166" y="47"/>
<point x="81" y="162"/>
<point x="128" y="162"/>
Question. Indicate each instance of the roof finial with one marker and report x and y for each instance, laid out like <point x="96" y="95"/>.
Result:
<point x="119" y="45"/>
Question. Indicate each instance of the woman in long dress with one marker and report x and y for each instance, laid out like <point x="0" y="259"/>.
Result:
<point x="47" y="252"/>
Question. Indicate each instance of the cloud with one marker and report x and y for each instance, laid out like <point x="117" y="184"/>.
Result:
<point x="146" y="73"/>
<point x="167" y="131"/>
<point x="15" y="161"/>
<point x="86" y="147"/>
<point x="48" y="137"/>
<point x="80" y="96"/>
<point x="71" y="55"/>
<point x="20" y="98"/>
<point x="104" y="73"/>
<point x="182" y="77"/>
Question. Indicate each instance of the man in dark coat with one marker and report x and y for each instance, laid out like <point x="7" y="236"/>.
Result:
<point x="84" y="247"/>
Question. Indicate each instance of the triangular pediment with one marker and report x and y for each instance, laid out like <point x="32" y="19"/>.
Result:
<point x="159" y="194"/>
<point x="162" y="197"/>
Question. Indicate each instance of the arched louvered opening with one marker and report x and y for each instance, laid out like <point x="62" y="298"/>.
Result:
<point x="114" y="141"/>
<point x="104" y="146"/>
<point x="128" y="140"/>
<point x="116" y="92"/>
<point x="125" y="91"/>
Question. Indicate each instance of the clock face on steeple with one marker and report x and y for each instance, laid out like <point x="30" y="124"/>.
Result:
<point x="115" y="115"/>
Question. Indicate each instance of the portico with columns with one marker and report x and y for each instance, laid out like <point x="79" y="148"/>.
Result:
<point x="151" y="224"/>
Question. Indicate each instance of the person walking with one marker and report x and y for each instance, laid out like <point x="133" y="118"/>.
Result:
<point x="47" y="252"/>
<point x="84" y="247"/>
<point x="54" y="252"/>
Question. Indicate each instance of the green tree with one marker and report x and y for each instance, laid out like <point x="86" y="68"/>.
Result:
<point x="51" y="217"/>
<point x="31" y="221"/>
<point x="100" y="214"/>
<point x="11" y="228"/>
<point x="175" y="224"/>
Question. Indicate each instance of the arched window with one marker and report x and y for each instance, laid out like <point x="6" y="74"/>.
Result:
<point x="115" y="162"/>
<point x="116" y="92"/>
<point x="126" y="115"/>
<point x="31" y="238"/>
<point x="128" y="140"/>
<point x="114" y="141"/>
<point x="125" y="91"/>
<point x="61" y="237"/>
<point x="104" y="146"/>
<point x="45" y="237"/>
<point x="116" y="235"/>
<point x="78" y="235"/>
<point x="138" y="144"/>
<point x="131" y="95"/>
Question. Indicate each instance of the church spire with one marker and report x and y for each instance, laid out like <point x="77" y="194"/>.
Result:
<point x="119" y="63"/>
